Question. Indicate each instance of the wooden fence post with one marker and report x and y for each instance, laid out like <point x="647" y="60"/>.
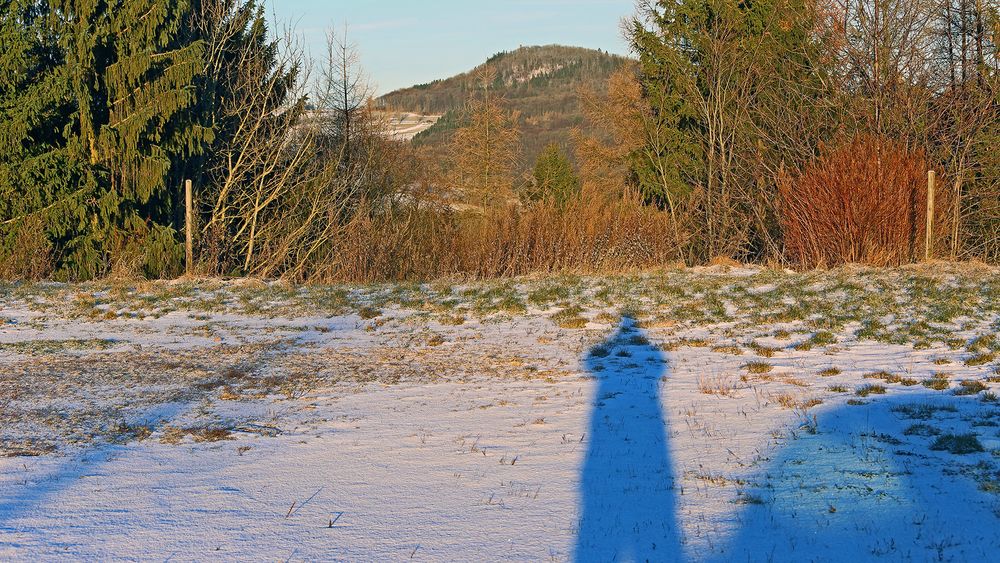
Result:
<point x="929" y="229"/>
<point x="189" y="227"/>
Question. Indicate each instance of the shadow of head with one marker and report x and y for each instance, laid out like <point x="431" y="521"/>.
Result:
<point x="627" y="483"/>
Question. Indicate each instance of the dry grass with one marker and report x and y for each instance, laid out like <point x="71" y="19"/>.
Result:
<point x="27" y="254"/>
<point x="939" y="382"/>
<point x="891" y="378"/>
<point x="786" y="400"/>
<point x="173" y="435"/>
<point x="763" y="351"/>
<point x="720" y="385"/>
<point x="758" y="368"/>
<point x="970" y="387"/>
<point x="586" y="235"/>
<point x="980" y="359"/>
<point x="731" y="350"/>
<point x="870" y="389"/>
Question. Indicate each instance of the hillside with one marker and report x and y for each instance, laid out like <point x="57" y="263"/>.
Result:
<point x="539" y="82"/>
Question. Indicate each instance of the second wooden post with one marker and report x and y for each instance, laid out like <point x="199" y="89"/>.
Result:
<point x="929" y="229"/>
<point x="189" y="228"/>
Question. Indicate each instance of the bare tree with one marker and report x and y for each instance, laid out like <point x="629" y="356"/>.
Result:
<point x="884" y="64"/>
<point x="485" y="152"/>
<point x="261" y="154"/>
<point x="343" y="91"/>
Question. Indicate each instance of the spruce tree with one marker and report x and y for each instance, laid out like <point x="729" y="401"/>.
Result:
<point x="37" y="170"/>
<point x="100" y="127"/>
<point x="553" y="177"/>
<point x="133" y="78"/>
<point x="733" y="88"/>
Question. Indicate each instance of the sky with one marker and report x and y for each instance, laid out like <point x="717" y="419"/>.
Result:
<point x="407" y="42"/>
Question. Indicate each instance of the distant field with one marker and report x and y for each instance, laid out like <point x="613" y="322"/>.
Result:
<point x="708" y="415"/>
<point x="406" y="126"/>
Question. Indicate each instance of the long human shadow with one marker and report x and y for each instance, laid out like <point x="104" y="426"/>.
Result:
<point x="866" y="485"/>
<point x="627" y="496"/>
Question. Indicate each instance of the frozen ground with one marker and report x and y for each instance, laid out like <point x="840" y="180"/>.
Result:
<point x="708" y="415"/>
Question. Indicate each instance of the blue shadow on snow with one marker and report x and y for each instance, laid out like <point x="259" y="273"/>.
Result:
<point x="864" y="485"/>
<point x="627" y="483"/>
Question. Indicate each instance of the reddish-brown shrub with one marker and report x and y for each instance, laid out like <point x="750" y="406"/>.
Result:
<point x="862" y="202"/>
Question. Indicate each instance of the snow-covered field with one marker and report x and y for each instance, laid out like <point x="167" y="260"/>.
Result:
<point x="406" y="126"/>
<point x="702" y="415"/>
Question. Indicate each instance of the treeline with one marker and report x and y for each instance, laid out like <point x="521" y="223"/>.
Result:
<point x="773" y="127"/>
<point x="792" y="131"/>
<point x="108" y="107"/>
<point x="524" y="74"/>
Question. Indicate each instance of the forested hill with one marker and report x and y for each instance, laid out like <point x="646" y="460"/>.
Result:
<point x="540" y="82"/>
<point x="532" y="78"/>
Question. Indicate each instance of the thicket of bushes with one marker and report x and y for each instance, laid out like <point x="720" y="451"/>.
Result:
<point x="745" y="95"/>
<point x="781" y="130"/>
<point x="864" y="202"/>
<point x="581" y="235"/>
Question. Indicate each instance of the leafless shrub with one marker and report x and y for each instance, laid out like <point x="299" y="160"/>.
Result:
<point x="864" y="202"/>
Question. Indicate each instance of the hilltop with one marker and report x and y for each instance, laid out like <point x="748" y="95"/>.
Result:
<point x="542" y="83"/>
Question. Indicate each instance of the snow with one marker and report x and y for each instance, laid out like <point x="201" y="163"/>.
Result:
<point x="235" y="421"/>
<point x="406" y="126"/>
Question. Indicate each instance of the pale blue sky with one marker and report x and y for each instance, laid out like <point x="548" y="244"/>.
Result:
<point x="407" y="42"/>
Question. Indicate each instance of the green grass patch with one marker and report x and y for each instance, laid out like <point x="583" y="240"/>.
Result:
<point x="870" y="389"/>
<point x="762" y="351"/>
<point x="980" y="359"/>
<point x="570" y="318"/>
<point x="958" y="444"/>
<point x="938" y="383"/>
<point x="600" y="352"/>
<point x="921" y="429"/>
<point x="758" y="368"/>
<point x="892" y="378"/>
<point x="368" y="313"/>
<point x="42" y="347"/>
<point x="922" y="411"/>
<point x="548" y="294"/>
<point x="984" y="343"/>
